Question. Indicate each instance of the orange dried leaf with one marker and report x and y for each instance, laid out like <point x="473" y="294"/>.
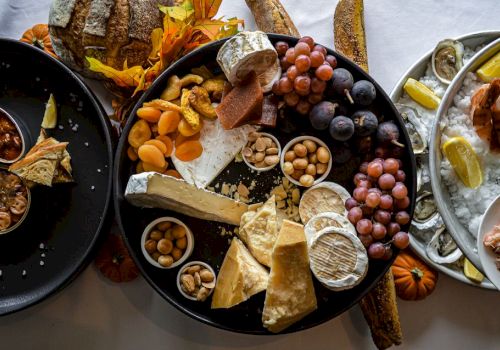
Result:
<point x="130" y="77"/>
<point x="206" y="8"/>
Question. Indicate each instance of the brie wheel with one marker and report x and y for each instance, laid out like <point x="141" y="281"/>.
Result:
<point x="321" y="198"/>
<point x="324" y="220"/>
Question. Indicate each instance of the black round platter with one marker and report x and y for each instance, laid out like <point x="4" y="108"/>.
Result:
<point x="56" y="240"/>
<point x="210" y="246"/>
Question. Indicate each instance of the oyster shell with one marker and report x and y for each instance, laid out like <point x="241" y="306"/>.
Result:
<point x="447" y="59"/>
<point x="416" y="129"/>
<point x="442" y="249"/>
<point x="425" y="207"/>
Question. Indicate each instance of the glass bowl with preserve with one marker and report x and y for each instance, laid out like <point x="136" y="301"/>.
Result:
<point x="180" y="155"/>
<point x="15" y="200"/>
<point x="12" y="143"/>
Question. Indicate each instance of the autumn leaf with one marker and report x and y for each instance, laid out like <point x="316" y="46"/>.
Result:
<point x="206" y="8"/>
<point x="156" y="41"/>
<point x="181" y="12"/>
<point x="126" y="78"/>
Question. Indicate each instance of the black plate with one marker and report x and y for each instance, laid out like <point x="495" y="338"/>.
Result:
<point x="210" y="246"/>
<point x="64" y="221"/>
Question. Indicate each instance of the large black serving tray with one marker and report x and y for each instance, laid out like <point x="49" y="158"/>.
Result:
<point x="210" y="246"/>
<point x="55" y="242"/>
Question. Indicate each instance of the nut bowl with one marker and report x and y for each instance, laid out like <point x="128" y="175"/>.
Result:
<point x="252" y="166"/>
<point x="185" y="255"/>
<point x="298" y="140"/>
<point x="184" y="268"/>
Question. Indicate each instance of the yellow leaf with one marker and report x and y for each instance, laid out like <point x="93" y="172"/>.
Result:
<point x="181" y="12"/>
<point x="156" y="39"/>
<point x="206" y="8"/>
<point x="126" y="78"/>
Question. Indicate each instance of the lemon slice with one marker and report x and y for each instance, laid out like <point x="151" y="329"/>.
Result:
<point x="421" y="94"/>
<point x="50" y="116"/>
<point x="464" y="161"/>
<point x="491" y="69"/>
<point x="471" y="272"/>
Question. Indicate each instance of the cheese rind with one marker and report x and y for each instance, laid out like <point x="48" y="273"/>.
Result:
<point x="324" y="220"/>
<point x="323" y="197"/>
<point x="240" y="277"/>
<point x="338" y="258"/>
<point x="154" y="190"/>
<point x="259" y="233"/>
<point x="290" y="292"/>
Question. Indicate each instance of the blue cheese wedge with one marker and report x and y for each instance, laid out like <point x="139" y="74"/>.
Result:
<point x="338" y="258"/>
<point x="219" y="149"/>
<point x="259" y="233"/>
<point x="154" y="190"/>
<point x="240" y="277"/>
<point x="290" y="292"/>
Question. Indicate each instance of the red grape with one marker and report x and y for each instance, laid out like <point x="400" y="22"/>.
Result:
<point x="379" y="160"/>
<point x="324" y="72"/>
<point x="281" y="47"/>
<point x="360" y="194"/>
<point x="317" y="86"/>
<point x="375" y="190"/>
<point x="388" y="253"/>
<point x="402" y="217"/>
<point x="365" y="183"/>
<point x="351" y="203"/>
<point x="276" y="89"/>
<point x="292" y="73"/>
<point x="375" y="169"/>
<point x="320" y="48"/>
<point x="358" y="177"/>
<point x="364" y="227"/>
<point x="400" y="176"/>
<point x="372" y="199"/>
<point x="315" y="98"/>
<point x="376" y="250"/>
<point x="401" y="240"/>
<point x="363" y="168"/>
<point x="308" y="40"/>
<point x="402" y="203"/>
<point x="382" y="216"/>
<point x="354" y="215"/>
<point x="291" y="99"/>
<point x="302" y="49"/>
<point x="303" y="107"/>
<point x="399" y="191"/>
<point x="303" y="63"/>
<point x="386" y="201"/>
<point x="366" y="240"/>
<point x="393" y="228"/>
<point x="302" y="85"/>
<point x="379" y="231"/>
<point x="285" y="86"/>
<point x="290" y="55"/>
<point x="317" y="59"/>
<point x="386" y="181"/>
<point x="391" y="166"/>
<point x="331" y="60"/>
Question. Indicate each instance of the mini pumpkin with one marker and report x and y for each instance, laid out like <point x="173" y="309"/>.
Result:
<point x="414" y="280"/>
<point x="114" y="260"/>
<point x="38" y="36"/>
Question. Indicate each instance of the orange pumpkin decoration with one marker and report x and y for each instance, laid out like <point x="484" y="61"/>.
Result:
<point x="114" y="260"/>
<point x="38" y="36"/>
<point x="414" y="280"/>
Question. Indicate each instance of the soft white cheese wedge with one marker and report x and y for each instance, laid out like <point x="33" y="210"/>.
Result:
<point x="219" y="149"/>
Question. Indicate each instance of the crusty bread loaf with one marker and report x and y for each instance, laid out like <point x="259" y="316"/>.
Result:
<point x="113" y="31"/>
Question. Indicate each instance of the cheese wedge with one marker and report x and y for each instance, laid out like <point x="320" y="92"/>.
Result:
<point x="154" y="190"/>
<point x="290" y="292"/>
<point x="240" y="277"/>
<point x="261" y="231"/>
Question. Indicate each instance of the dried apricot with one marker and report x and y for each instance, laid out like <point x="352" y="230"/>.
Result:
<point x="151" y="167"/>
<point x="169" y="120"/>
<point x="167" y="141"/>
<point x="181" y="138"/>
<point x="132" y="154"/>
<point x="149" y="114"/>
<point x="152" y="155"/>
<point x="139" y="168"/>
<point x="186" y="130"/>
<point x="139" y="133"/>
<point x="173" y="173"/>
<point x="188" y="150"/>
<point x="158" y="144"/>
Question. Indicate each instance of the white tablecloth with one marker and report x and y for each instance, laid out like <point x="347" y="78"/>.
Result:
<point x="93" y="313"/>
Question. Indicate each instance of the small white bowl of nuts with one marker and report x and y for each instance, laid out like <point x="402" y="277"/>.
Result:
<point x="196" y="280"/>
<point x="306" y="161"/>
<point x="262" y="151"/>
<point x="167" y="242"/>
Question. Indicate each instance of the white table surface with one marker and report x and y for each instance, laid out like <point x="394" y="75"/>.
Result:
<point x="93" y="313"/>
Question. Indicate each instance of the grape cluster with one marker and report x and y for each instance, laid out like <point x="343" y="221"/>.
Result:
<point x="306" y="69"/>
<point x="378" y="206"/>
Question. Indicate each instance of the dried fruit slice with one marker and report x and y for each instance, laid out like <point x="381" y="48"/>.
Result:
<point x="50" y="116"/>
<point x="421" y="94"/>
<point x="491" y="69"/>
<point x="464" y="161"/>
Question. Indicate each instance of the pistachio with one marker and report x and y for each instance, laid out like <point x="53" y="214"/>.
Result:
<point x="202" y="294"/>
<point x="193" y="268"/>
<point x="253" y="136"/>
<point x="197" y="279"/>
<point x="206" y="275"/>
<point x="188" y="284"/>
<point x="271" y="160"/>
<point x="268" y="142"/>
<point x="259" y="156"/>
<point x="271" y="151"/>
<point x="247" y="152"/>
<point x="260" y="144"/>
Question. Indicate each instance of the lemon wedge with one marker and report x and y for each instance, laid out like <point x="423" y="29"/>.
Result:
<point x="471" y="272"/>
<point x="491" y="69"/>
<point x="421" y="94"/>
<point x="50" y="116"/>
<point x="464" y="161"/>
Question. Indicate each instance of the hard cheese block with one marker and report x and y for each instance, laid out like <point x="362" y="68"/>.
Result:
<point x="154" y="190"/>
<point x="260" y="233"/>
<point x="290" y="292"/>
<point x="219" y="149"/>
<point x="240" y="277"/>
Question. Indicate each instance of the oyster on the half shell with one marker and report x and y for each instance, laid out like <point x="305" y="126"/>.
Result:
<point x="447" y="59"/>
<point x="416" y="130"/>
<point x="425" y="207"/>
<point x="442" y="249"/>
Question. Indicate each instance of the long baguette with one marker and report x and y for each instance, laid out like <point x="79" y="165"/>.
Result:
<point x="271" y="17"/>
